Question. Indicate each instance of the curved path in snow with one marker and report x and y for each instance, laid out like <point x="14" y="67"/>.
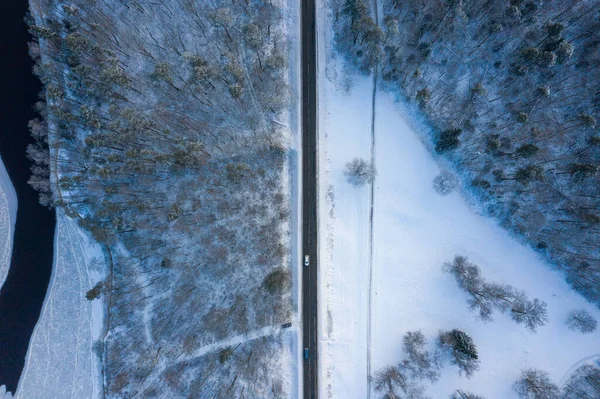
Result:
<point x="60" y="361"/>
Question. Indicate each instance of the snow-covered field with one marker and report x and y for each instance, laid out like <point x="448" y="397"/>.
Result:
<point x="8" y="217"/>
<point x="60" y="361"/>
<point x="415" y="231"/>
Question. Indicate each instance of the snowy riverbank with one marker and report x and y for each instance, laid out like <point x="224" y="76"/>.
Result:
<point x="61" y="362"/>
<point x="8" y="217"/>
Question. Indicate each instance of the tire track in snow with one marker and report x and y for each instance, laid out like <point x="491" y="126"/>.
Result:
<point x="370" y="284"/>
<point x="232" y="341"/>
<point x="88" y="283"/>
<point x="371" y="212"/>
<point x="581" y="362"/>
<point x="76" y="259"/>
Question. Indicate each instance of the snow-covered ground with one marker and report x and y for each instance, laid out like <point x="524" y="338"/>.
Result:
<point x="415" y="232"/>
<point x="8" y="217"/>
<point x="4" y="394"/>
<point x="60" y="360"/>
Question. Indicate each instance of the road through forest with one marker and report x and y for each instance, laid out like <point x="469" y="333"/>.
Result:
<point x="309" y="197"/>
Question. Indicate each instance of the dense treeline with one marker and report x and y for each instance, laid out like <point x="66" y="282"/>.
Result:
<point x="158" y="133"/>
<point x="511" y="89"/>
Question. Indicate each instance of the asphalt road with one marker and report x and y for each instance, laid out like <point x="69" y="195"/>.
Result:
<point x="309" y="197"/>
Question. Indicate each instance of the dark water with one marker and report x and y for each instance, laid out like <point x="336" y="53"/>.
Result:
<point x="23" y="293"/>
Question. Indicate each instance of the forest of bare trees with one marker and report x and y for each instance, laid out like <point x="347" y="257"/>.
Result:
<point x="159" y="133"/>
<point x="510" y="89"/>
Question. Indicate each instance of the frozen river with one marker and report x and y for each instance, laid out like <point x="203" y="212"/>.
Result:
<point x="24" y="290"/>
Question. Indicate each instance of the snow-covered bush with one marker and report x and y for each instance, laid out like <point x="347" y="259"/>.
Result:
<point x="95" y="291"/>
<point x="360" y="172"/>
<point x="444" y="183"/>
<point x="582" y="321"/>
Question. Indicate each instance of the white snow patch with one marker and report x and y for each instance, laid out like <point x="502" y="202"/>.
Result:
<point x="4" y="394"/>
<point x="8" y="217"/>
<point x="60" y="362"/>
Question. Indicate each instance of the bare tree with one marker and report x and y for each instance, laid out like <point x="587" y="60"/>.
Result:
<point x="535" y="384"/>
<point x="582" y="321"/>
<point x="465" y="395"/>
<point x="419" y="363"/>
<point x="468" y="277"/>
<point x="486" y="297"/>
<point x="532" y="313"/>
<point x="360" y="172"/>
<point x="395" y="385"/>
<point x="584" y="383"/>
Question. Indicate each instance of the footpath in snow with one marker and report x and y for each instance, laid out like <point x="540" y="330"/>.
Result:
<point x="415" y="232"/>
<point x="8" y="217"/>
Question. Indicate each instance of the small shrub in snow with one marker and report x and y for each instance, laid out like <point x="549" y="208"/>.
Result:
<point x="580" y="320"/>
<point x="583" y="383"/>
<point x="487" y="297"/>
<point x="535" y="384"/>
<point x="360" y="172"/>
<point x="444" y="183"/>
<point x="98" y="348"/>
<point x="448" y="140"/>
<point x="277" y="280"/>
<point x="465" y="395"/>
<point x="225" y="355"/>
<point x="460" y="349"/>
